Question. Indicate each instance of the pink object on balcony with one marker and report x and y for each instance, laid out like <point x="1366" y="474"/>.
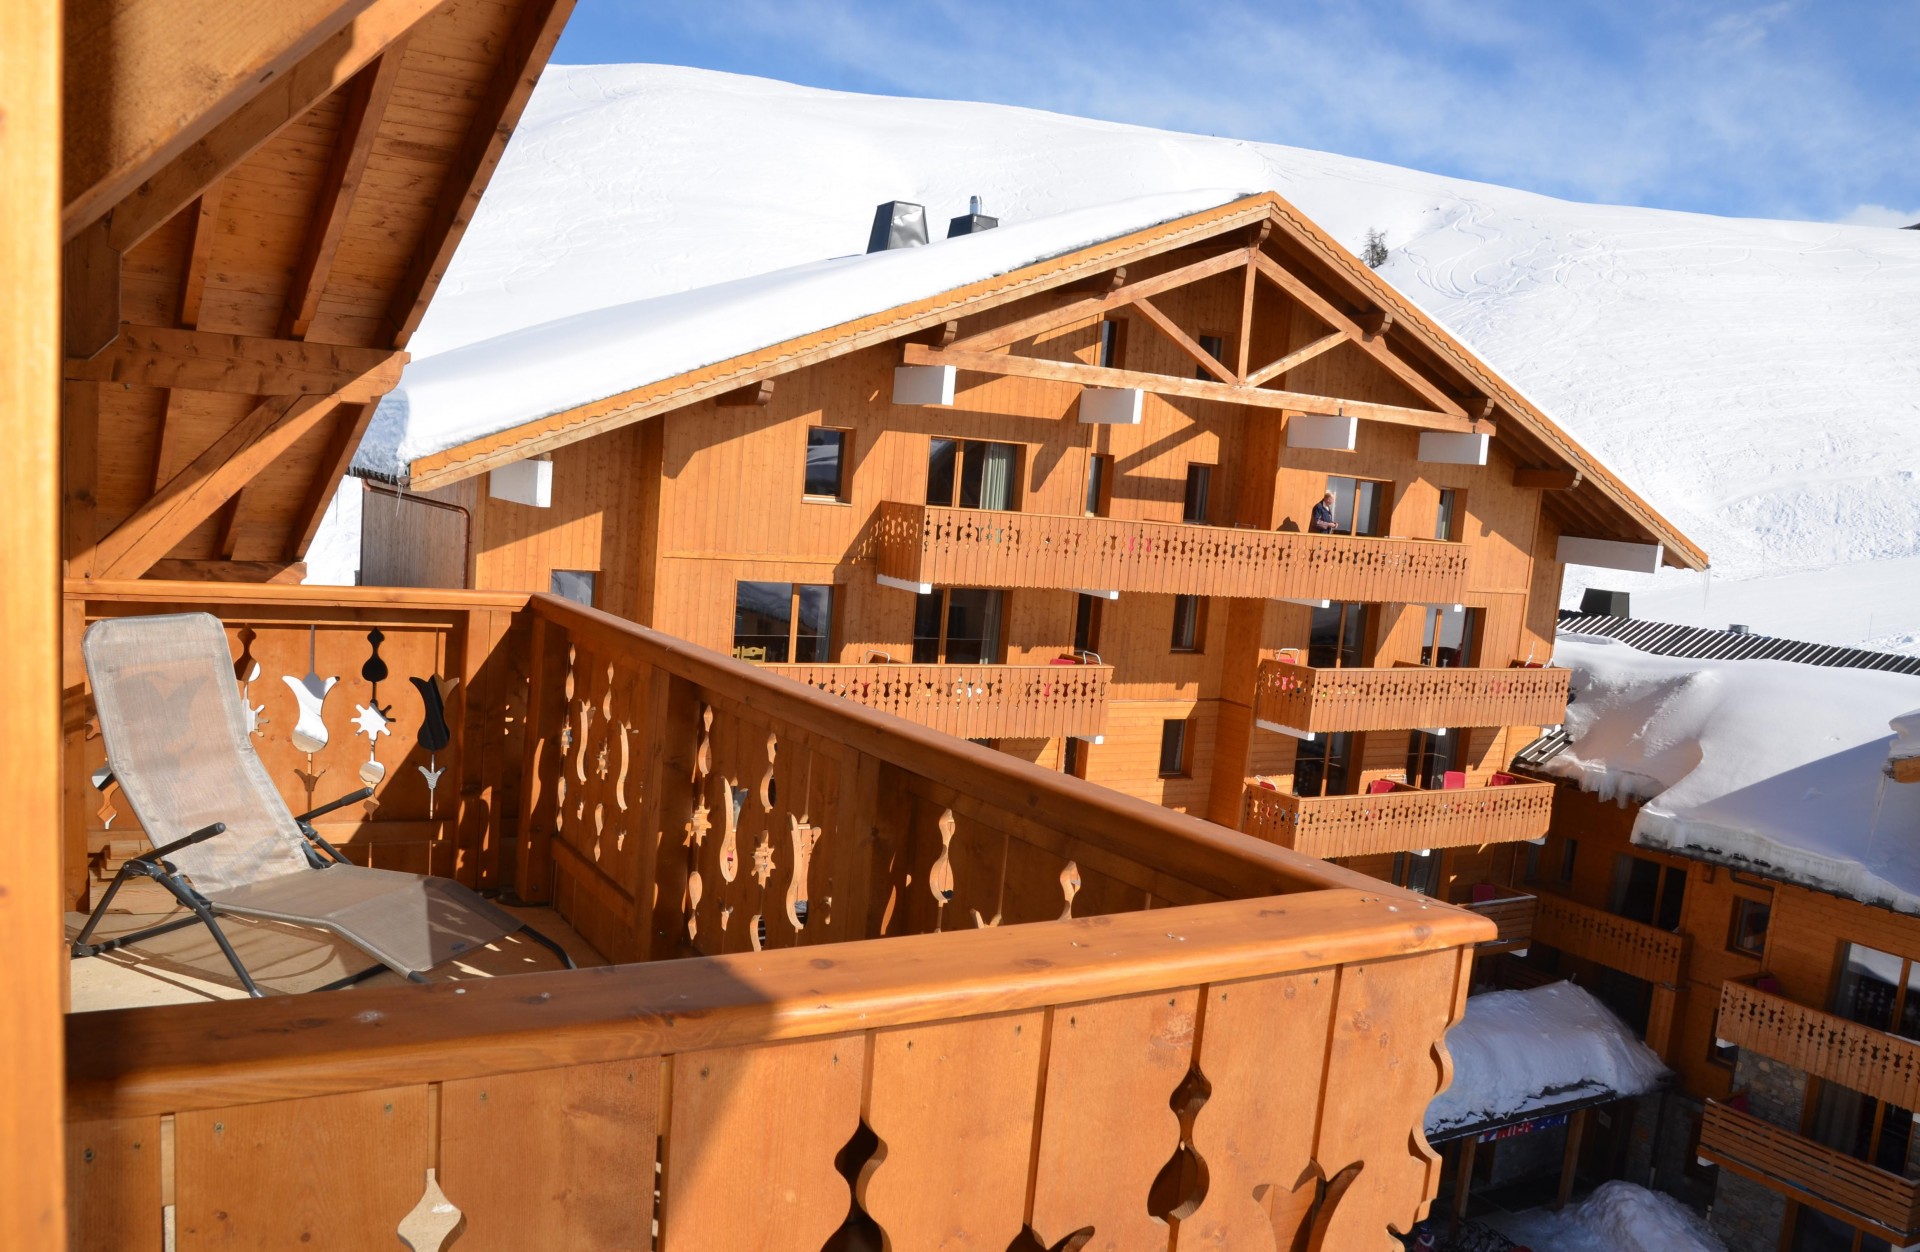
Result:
<point x="1484" y="891"/>
<point x="1455" y="780"/>
<point x="1502" y="780"/>
<point x="1380" y="786"/>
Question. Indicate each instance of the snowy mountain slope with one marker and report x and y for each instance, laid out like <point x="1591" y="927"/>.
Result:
<point x="1758" y="381"/>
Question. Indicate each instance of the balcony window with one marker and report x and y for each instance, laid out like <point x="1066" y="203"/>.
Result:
<point x="1417" y="873"/>
<point x="970" y="474"/>
<point x="1430" y="757"/>
<point x="1341" y="637"/>
<point x="1099" y="485"/>
<point x="1322" y="765"/>
<point x="1173" y="748"/>
<point x="1087" y="613"/>
<point x="1881" y="990"/>
<point x="1450" y="523"/>
<point x="826" y="463"/>
<point x="1113" y="343"/>
<point x="1645" y="891"/>
<point x="1194" y="509"/>
<point x="1189" y="623"/>
<point x="1748" y="931"/>
<point x="957" y="626"/>
<point x="1073" y="758"/>
<point x="573" y="584"/>
<point x="1360" y="505"/>
<point x="1214" y="346"/>
<point x="782" y="622"/>
<point x="1452" y="637"/>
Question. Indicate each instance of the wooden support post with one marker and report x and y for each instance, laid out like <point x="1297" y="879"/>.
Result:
<point x="1570" y="1160"/>
<point x="1464" y="1158"/>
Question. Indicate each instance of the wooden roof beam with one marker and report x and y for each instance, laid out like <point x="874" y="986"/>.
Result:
<point x="1005" y="365"/>
<point x="752" y="396"/>
<point x="328" y="67"/>
<point x="1374" y="345"/>
<point x="367" y="97"/>
<point x="1185" y="342"/>
<point x="1538" y="479"/>
<point x="1081" y="310"/>
<point x="155" y="356"/>
<point x="198" y="491"/>
<point x="521" y="61"/>
<point x="1299" y="356"/>
<point x="1097" y="284"/>
<point x="141" y="88"/>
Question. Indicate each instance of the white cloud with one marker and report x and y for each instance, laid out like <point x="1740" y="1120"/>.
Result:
<point x="1879" y="215"/>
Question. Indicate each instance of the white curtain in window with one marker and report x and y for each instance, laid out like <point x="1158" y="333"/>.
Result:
<point x="996" y="477"/>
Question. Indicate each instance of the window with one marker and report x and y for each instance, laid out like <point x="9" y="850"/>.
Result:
<point x="1452" y="637"/>
<point x="1417" y="873"/>
<point x="1645" y="891"/>
<point x="575" y="584"/>
<point x="968" y="474"/>
<point x="1099" y="484"/>
<point x="1199" y="486"/>
<point x="1113" y="343"/>
<point x="1569" y="854"/>
<point x="1173" y="748"/>
<point x="957" y="626"/>
<point x="1214" y="346"/>
<point x="1360" y="505"/>
<point x="1073" y="758"/>
<point x="1340" y="636"/>
<point x="1087" y="612"/>
<point x="1748" y="933"/>
<point x="1321" y="765"/>
<point x="1430" y="756"/>
<point x="826" y="463"/>
<point x="1189" y="623"/>
<point x="781" y="622"/>
<point x="1451" y="522"/>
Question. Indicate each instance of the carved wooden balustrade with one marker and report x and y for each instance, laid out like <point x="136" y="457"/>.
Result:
<point x="1809" y="1172"/>
<point x="1407" y="819"/>
<point x="863" y="1040"/>
<point x="1407" y="697"/>
<point x="1609" y="939"/>
<point x="974" y="701"/>
<point x="1882" y="1065"/>
<point x="976" y="548"/>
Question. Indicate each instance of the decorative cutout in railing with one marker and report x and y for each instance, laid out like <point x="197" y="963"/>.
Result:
<point x="1855" y="1055"/>
<point x="978" y="548"/>
<point x="973" y="701"/>
<point x="1407" y="697"/>
<point x="1400" y="821"/>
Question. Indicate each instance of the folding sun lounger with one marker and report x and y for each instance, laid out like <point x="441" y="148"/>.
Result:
<point x="225" y="843"/>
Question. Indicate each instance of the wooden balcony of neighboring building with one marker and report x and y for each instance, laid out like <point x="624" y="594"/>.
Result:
<point x="1512" y="912"/>
<point x="973" y="701"/>
<point x="1608" y="939"/>
<point x="1399" y="819"/>
<point x="823" y="921"/>
<point x="1850" y="1190"/>
<point x="1882" y="1065"/>
<point x="1305" y="699"/>
<point x="917" y="544"/>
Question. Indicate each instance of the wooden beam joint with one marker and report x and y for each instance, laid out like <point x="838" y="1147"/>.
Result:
<point x="751" y="396"/>
<point x="1546" y="478"/>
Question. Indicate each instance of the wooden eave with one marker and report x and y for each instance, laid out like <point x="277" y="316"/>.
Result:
<point x="1600" y="505"/>
<point x="241" y="241"/>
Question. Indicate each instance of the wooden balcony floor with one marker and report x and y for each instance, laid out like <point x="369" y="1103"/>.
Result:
<point x="185" y="967"/>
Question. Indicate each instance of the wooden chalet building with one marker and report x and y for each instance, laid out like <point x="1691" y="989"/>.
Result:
<point x="1067" y="507"/>
<point x="219" y="224"/>
<point x="1788" y="1009"/>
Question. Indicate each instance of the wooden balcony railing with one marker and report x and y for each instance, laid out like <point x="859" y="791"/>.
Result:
<point x="910" y="960"/>
<point x="976" y="548"/>
<point x="973" y="701"/>
<point x="1407" y="697"/>
<point x="1884" y="1066"/>
<point x="1812" y="1174"/>
<point x="1616" y="942"/>
<point x="1407" y="819"/>
<point x="1512" y="914"/>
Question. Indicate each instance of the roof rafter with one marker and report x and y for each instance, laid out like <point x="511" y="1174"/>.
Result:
<point x="1080" y="310"/>
<point x="1299" y="356"/>
<point x="158" y="356"/>
<point x="1183" y="341"/>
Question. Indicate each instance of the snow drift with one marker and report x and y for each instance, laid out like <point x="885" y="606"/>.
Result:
<point x="1764" y="764"/>
<point x="1617" y="1217"/>
<point x="1518" y="1051"/>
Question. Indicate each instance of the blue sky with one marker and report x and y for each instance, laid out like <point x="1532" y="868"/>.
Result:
<point x="1796" y="108"/>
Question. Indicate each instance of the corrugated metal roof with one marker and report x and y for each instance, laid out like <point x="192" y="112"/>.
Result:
<point x="1666" y="639"/>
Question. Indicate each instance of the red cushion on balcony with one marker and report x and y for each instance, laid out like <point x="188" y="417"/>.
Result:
<point x="1380" y="786"/>
<point x="1456" y="780"/>
<point x="1484" y="891"/>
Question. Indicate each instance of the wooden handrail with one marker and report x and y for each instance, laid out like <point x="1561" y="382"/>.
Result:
<point x="1407" y="697"/>
<point x="1614" y="941"/>
<point x="1811" y="1173"/>
<point x="1882" y="1065"/>
<point x="133" y="1062"/>
<point x="988" y="548"/>
<point x="294" y="595"/>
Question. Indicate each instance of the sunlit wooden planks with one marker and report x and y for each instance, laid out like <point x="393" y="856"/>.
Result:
<point x="974" y="701"/>
<point x="1409" y="820"/>
<point x="1407" y="697"/>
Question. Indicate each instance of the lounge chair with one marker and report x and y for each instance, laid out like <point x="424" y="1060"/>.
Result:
<point x="178" y="742"/>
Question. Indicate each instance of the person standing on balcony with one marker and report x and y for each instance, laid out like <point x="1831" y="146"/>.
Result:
<point x="1322" y="523"/>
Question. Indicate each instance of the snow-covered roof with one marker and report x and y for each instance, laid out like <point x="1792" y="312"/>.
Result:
<point x="1764" y="764"/>
<point x="530" y="372"/>
<point x="1518" y="1052"/>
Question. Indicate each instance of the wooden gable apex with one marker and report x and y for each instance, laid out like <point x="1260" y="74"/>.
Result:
<point x="1260" y="241"/>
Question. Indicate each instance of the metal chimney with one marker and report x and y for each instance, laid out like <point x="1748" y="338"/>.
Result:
<point x="1595" y="602"/>
<point x="898" y="224"/>
<point x="972" y="222"/>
